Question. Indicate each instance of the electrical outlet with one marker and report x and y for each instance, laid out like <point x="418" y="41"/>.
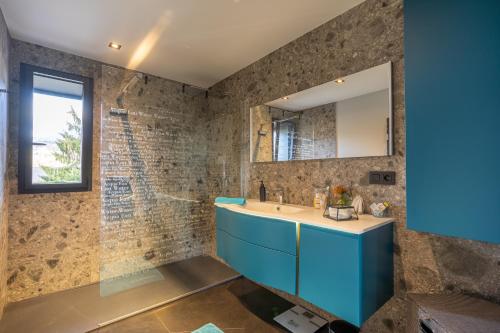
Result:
<point x="382" y="177"/>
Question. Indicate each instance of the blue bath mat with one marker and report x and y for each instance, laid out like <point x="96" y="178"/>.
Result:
<point x="208" y="328"/>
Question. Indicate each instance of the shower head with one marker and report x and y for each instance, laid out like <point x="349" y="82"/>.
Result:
<point x="131" y="83"/>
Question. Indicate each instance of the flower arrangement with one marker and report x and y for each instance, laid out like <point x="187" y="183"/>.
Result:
<point x="341" y="196"/>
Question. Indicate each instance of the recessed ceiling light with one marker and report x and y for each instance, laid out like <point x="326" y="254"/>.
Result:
<point x="114" y="45"/>
<point x="339" y="81"/>
<point x="285" y="97"/>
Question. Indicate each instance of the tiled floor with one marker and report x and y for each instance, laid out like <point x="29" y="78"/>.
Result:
<point x="83" y="309"/>
<point x="239" y="306"/>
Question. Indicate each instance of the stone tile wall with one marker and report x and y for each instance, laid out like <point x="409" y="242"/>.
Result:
<point x="262" y="136"/>
<point x="4" y="190"/>
<point x="317" y="133"/>
<point x="367" y="35"/>
<point x="53" y="238"/>
<point x="60" y="241"/>
<point x="153" y="172"/>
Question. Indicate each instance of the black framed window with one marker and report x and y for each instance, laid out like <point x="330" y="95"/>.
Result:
<point x="55" y="131"/>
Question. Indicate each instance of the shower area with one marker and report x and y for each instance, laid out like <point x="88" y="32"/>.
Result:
<point x="153" y="170"/>
<point x="155" y="232"/>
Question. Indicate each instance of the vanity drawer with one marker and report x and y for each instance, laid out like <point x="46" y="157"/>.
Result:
<point x="270" y="233"/>
<point x="330" y="272"/>
<point x="348" y="275"/>
<point x="267" y="266"/>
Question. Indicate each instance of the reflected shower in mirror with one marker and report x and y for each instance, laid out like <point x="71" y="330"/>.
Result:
<point x="347" y="117"/>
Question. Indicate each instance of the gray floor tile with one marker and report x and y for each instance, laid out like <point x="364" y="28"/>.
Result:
<point x="82" y="309"/>
<point x="239" y="306"/>
<point x="44" y="314"/>
<point x="143" y="323"/>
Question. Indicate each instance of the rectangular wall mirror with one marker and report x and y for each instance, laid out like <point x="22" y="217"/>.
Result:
<point x="348" y="117"/>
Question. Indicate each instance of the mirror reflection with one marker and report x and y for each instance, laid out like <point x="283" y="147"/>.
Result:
<point x="347" y="117"/>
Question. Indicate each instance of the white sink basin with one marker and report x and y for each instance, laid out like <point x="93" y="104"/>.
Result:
<point x="305" y="215"/>
<point x="271" y="207"/>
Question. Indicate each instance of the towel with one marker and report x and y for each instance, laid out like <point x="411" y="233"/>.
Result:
<point x="208" y="328"/>
<point x="234" y="201"/>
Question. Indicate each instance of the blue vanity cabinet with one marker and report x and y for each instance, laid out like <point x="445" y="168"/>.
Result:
<point x="348" y="275"/>
<point x="452" y="89"/>
<point x="262" y="249"/>
<point x="271" y="233"/>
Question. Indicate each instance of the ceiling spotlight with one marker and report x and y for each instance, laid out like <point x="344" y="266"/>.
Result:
<point x="285" y="98"/>
<point x="339" y="81"/>
<point x="114" y="45"/>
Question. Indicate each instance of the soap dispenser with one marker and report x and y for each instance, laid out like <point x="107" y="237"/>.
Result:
<point x="262" y="191"/>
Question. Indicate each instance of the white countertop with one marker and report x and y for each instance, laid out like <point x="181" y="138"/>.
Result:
<point x="311" y="216"/>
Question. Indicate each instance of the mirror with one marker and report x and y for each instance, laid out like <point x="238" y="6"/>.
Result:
<point x="347" y="117"/>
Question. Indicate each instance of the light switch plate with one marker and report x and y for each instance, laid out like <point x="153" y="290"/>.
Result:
<point x="382" y="177"/>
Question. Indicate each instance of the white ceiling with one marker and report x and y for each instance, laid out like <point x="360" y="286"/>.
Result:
<point x="193" y="41"/>
<point x="361" y="83"/>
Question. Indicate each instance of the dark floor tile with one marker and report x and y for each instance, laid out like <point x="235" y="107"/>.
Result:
<point x="237" y="306"/>
<point x="259" y="301"/>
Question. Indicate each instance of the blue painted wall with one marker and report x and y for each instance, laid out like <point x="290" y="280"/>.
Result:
<point x="452" y="89"/>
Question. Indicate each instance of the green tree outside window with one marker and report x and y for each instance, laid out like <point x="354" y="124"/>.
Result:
<point x="68" y="154"/>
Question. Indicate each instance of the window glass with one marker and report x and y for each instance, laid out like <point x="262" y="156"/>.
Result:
<point x="57" y="139"/>
<point x="55" y="131"/>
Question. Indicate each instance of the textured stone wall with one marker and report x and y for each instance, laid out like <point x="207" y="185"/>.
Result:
<point x="317" y="133"/>
<point x="368" y="35"/>
<point x="314" y="135"/>
<point x="59" y="241"/>
<point x="53" y="238"/>
<point x="153" y="172"/>
<point x="262" y="136"/>
<point x="4" y="190"/>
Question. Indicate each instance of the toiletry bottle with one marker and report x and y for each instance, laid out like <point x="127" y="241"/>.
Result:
<point x="323" y="201"/>
<point x="262" y="191"/>
<point x="317" y="199"/>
